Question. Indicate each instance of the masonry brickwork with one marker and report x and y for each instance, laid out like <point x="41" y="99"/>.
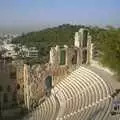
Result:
<point x="63" y="60"/>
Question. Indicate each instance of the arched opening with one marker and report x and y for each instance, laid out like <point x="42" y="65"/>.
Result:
<point x="74" y="58"/>
<point x="48" y="82"/>
<point x="84" y="54"/>
<point x="85" y="34"/>
<point x="62" y="57"/>
<point x="48" y="85"/>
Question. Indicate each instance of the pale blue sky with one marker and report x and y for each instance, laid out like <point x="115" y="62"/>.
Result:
<point x="36" y="14"/>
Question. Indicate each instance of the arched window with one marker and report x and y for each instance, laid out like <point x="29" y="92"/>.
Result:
<point x="85" y="34"/>
<point x="84" y="55"/>
<point x="48" y="82"/>
<point x="62" y="57"/>
<point x="74" y="58"/>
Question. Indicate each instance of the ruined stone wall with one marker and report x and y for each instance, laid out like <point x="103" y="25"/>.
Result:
<point x="34" y="80"/>
<point x="35" y="76"/>
<point x="59" y="73"/>
<point x="82" y="48"/>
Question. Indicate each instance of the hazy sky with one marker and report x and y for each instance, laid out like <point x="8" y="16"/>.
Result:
<point x="24" y="15"/>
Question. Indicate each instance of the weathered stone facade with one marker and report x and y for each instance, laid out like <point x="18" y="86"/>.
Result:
<point x="39" y="79"/>
<point x="78" y="54"/>
<point x="34" y="78"/>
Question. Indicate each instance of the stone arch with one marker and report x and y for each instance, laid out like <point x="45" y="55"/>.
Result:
<point x="84" y="56"/>
<point x="85" y="38"/>
<point x="74" y="57"/>
<point x="48" y="85"/>
<point x="62" y="57"/>
<point x="48" y="82"/>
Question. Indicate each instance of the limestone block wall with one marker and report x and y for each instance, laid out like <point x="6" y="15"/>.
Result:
<point x="82" y="46"/>
<point x="35" y="76"/>
<point x="34" y="82"/>
<point x="59" y="73"/>
<point x="71" y="53"/>
<point x="83" y="43"/>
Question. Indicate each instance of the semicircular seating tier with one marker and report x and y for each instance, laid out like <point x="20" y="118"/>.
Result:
<point x="83" y="95"/>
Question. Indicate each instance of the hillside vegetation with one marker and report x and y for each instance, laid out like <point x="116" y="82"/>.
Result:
<point x="47" y="38"/>
<point x="107" y="42"/>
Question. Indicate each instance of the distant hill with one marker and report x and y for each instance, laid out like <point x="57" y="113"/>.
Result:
<point x="107" y="41"/>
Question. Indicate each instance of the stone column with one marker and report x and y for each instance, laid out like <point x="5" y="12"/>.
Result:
<point x="26" y="86"/>
<point x="91" y="53"/>
<point x="52" y="56"/>
<point x="77" y="42"/>
<point x="89" y="50"/>
<point x="57" y="55"/>
<point x="81" y="32"/>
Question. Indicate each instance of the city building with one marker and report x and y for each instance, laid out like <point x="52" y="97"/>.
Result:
<point x="25" y="52"/>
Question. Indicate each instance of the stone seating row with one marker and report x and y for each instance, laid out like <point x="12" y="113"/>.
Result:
<point x="93" y="90"/>
<point x="83" y="95"/>
<point x="45" y="111"/>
